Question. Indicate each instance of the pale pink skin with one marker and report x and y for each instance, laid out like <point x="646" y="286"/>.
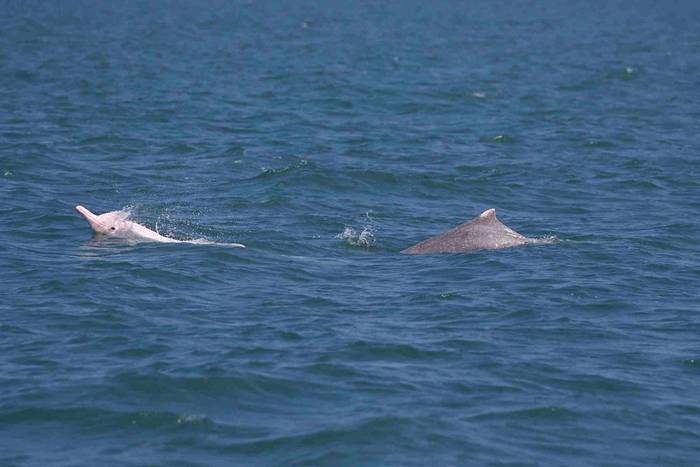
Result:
<point x="116" y="224"/>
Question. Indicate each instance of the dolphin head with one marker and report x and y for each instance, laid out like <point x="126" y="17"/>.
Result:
<point x="109" y="223"/>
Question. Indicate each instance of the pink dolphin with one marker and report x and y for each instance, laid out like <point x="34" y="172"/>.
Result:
<point x="117" y="224"/>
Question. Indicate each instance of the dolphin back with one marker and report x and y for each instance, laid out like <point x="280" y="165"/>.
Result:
<point x="483" y="232"/>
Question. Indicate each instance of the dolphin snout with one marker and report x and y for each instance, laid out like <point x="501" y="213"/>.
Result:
<point x="83" y="211"/>
<point x="89" y="217"/>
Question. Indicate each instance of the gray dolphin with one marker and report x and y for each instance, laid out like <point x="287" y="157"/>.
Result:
<point x="483" y="232"/>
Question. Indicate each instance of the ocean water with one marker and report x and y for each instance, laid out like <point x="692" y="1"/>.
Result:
<point x="327" y="137"/>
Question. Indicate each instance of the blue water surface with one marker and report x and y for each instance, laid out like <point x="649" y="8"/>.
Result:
<point x="327" y="137"/>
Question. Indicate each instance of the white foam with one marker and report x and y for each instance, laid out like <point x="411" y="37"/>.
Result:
<point x="546" y="240"/>
<point x="204" y="241"/>
<point x="365" y="238"/>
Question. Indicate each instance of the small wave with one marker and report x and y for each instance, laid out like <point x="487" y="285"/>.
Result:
<point x="273" y="172"/>
<point x="500" y="139"/>
<point x="544" y="413"/>
<point x="94" y="417"/>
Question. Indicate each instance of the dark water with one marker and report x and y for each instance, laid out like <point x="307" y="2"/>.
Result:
<point x="327" y="138"/>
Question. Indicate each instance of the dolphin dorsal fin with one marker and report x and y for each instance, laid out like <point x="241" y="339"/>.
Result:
<point x="488" y="215"/>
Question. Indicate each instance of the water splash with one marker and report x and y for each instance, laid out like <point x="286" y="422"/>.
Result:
<point x="361" y="238"/>
<point x="352" y="237"/>
<point x="544" y="240"/>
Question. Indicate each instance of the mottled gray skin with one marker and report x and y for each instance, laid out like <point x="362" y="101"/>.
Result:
<point x="483" y="232"/>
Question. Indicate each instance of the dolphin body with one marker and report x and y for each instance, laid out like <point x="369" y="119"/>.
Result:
<point x="485" y="231"/>
<point x="116" y="224"/>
